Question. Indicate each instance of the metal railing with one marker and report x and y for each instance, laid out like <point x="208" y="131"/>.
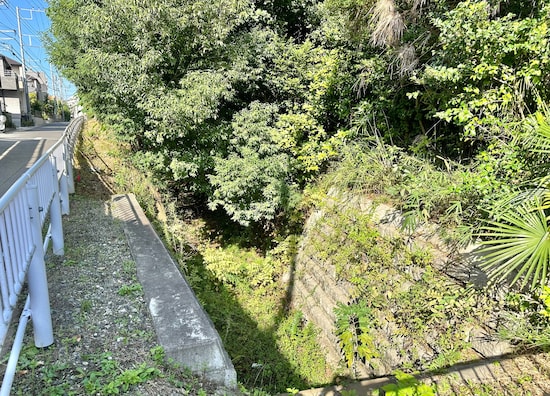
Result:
<point x="35" y="202"/>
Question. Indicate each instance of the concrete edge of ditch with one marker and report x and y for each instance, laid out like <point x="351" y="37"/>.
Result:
<point x="183" y="328"/>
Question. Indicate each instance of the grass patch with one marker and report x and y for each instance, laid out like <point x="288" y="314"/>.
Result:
<point x="131" y="290"/>
<point x="102" y="373"/>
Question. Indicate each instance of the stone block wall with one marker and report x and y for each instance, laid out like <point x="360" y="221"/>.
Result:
<point x="317" y="291"/>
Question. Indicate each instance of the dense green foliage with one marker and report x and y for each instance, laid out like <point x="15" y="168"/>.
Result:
<point x="209" y="93"/>
<point x="242" y="103"/>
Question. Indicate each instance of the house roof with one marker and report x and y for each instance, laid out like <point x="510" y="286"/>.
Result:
<point x="10" y="61"/>
<point x="39" y="76"/>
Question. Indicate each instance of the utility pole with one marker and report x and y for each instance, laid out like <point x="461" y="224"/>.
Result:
<point x="53" y="91"/>
<point x="62" y="96"/>
<point x="22" y="51"/>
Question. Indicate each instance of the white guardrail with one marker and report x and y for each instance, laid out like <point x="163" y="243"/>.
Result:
<point x="35" y="201"/>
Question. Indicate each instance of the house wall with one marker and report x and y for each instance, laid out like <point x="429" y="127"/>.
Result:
<point x="9" y="82"/>
<point x="13" y="106"/>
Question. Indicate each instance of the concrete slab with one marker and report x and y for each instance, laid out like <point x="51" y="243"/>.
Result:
<point x="183" y="328"/>
<point x="500" y="374"/>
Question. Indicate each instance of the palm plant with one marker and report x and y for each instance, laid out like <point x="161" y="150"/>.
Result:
<point x="518" y="243"/>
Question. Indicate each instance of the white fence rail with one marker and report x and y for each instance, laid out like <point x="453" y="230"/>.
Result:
<point x="34" y="203"/>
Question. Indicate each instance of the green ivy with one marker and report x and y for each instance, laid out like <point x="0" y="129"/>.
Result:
<point x="353" y="324"/>
<point x="407" y="385"/>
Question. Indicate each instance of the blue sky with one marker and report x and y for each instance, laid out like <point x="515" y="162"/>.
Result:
<point x="33" y="22"/>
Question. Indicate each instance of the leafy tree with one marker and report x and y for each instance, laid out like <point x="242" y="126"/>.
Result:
<point x="254" y="181"/>
<point x="487" y="73"/>
<point x="198" y="87"/>
<point x="158" y="73"/>
<point x="177" y="77"/>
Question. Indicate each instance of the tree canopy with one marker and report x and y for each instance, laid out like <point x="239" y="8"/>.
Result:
<point x="243" y="102"/>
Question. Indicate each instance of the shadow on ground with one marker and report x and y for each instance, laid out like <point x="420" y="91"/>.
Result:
<point x="253" y="350"/>
<point x="514" y="374"/>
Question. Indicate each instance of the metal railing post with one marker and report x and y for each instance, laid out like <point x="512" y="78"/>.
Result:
<point x="56" y="221"/>
<point x="16" y="351"/>
<point x="69" y="168"/>
<point x="64" y="183"/>
<point x="64" y="194"/>
<point x="37" y="279"/>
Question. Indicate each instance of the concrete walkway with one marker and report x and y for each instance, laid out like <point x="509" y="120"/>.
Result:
<point x="183" y="328"/>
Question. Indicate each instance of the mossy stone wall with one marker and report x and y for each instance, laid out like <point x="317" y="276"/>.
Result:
<point x="416" y="332"/>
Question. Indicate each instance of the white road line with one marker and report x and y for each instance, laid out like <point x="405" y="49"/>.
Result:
<point x="9" y="149"/>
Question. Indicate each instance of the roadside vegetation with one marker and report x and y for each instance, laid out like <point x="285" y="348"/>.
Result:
<point x="240" y="285"/>
<point x="49" y="108"/>
<point x="234" y="119"/>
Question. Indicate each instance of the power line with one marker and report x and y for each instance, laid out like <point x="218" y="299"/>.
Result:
<point x="32" y="23"/>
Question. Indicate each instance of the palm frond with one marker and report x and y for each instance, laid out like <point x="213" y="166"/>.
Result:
<point x="518" y="245"/>
<point x="540" y="141"/>
<point x="537" y="189"/>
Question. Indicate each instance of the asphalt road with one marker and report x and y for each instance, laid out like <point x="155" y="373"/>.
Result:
<point x="19" y="149"/>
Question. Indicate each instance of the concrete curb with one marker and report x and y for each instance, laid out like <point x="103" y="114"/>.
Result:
<point x="183" y="328"/>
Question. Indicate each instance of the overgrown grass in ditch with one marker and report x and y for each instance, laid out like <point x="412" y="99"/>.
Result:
<point x="241" y="288"/>
<point x="272" y="347"/>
